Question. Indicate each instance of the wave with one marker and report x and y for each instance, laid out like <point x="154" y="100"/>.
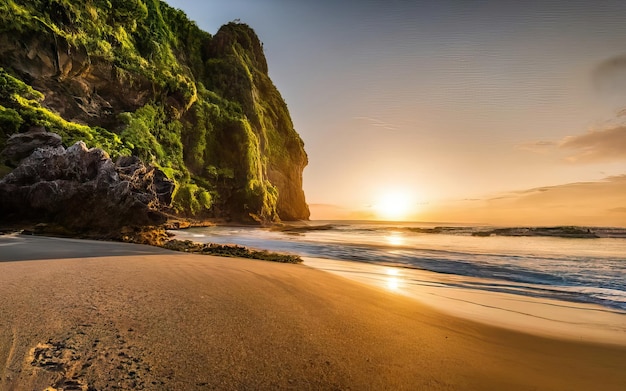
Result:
<point x="554" y="267"/>
<point x="556" y="231"/>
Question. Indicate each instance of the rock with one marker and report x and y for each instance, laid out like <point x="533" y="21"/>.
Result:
<point x="133" y="170"/>
<point x="21" y="145"/>
<point x="82" y="190"/>
<point x="291" y="203"/>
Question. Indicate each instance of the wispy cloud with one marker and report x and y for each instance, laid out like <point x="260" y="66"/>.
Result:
<point x="597" y="146"/>
<point x="570" y="188"/>
<point x="603" y="145"/>
<point x="378" y="123"/>
<point x="538" y="146"/>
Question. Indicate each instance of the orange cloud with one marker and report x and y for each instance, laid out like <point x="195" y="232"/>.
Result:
<point x="599" y="203"/>
<point x="597" y="146"/>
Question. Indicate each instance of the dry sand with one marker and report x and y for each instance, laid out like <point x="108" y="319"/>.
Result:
<point x="143" y="318"/>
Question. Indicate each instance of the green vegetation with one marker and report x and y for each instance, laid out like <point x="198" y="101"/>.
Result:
<point x="200" y="107"/>
<point x="20" y="107"/>
<point x="136" y="36"/>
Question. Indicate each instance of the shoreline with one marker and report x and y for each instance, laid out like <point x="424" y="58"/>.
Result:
<point x="522" y="266"/>
<point x="453" y="295"/>
<point x="106" y="313"/>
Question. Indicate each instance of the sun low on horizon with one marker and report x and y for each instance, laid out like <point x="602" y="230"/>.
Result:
<point x="394" y="205"/>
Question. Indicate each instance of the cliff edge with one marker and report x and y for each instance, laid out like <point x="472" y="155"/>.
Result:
<point x="138" y="78"/>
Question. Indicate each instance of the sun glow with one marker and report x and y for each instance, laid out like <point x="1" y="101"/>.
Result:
<point x="393" y="206"/>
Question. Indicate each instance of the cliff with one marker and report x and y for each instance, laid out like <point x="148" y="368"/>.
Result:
<point x="137" y="78"/>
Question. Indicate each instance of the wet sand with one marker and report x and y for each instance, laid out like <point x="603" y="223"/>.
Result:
<point x="489" y="301"/>
<point x="107" y="316"/>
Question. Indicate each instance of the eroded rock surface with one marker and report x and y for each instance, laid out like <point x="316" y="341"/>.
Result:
<point x="21" y="145"/>
<point x="82" y="189"/>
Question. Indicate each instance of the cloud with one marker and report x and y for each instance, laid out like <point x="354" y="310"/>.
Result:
<point x="537" y="146"/>
<point x="607" y="144"/>
<point x="610" y="184"/>
<point x="597" y="146"/>
<point x="375" y="122"/>
<point x="581" y="203"/>
<point x="609" y="76"/>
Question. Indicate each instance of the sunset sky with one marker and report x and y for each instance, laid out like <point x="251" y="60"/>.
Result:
<point x="499" y="112"/>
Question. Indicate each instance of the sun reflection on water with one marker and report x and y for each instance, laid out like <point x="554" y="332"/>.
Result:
<point x="395" y="239"/>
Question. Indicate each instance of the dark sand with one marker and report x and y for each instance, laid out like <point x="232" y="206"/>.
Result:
<point x="114" y="316"/>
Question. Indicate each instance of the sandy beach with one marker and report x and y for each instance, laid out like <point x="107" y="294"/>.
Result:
<point x="457" y="295"/>
<point x="82" y="315"/>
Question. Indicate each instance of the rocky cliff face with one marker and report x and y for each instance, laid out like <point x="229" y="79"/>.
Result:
<point x="137" y="78"/>
<point x="234" y="47"/>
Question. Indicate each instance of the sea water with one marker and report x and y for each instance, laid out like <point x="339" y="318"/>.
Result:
<point x="584" y="270"/>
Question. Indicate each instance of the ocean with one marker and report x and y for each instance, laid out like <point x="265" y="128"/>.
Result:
<point x="583" y="265"/>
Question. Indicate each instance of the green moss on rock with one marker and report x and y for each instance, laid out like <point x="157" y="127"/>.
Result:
<point x="137" y="77"/>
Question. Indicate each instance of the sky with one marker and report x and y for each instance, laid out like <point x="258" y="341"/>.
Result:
<point x="495" y="112"/>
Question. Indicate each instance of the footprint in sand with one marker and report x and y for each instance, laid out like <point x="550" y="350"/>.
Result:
<point x="58" y="357"/>
<point x="96" y="360"/>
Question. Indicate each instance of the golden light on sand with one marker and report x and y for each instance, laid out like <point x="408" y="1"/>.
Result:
<point x="393" y="206"/>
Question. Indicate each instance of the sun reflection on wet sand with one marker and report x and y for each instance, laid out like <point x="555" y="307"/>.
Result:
<point x="393" y="280"/>
<point x="393" y="283"/>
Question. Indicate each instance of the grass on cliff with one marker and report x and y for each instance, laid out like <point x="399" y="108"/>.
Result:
<point x="20" y="107"/>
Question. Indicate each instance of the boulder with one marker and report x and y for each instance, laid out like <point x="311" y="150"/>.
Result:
<point x="21" y="145"/>
<point x="82" y="189"/>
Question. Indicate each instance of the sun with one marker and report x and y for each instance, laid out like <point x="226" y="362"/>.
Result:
<point x="393" y="206"/>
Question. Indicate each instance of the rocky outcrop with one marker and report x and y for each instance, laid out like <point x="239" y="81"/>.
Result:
<point x="21" y="145"/>
<point x="238" y="45"/>
<point x="139" y="78"/>
<point x="82" y="189"/>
